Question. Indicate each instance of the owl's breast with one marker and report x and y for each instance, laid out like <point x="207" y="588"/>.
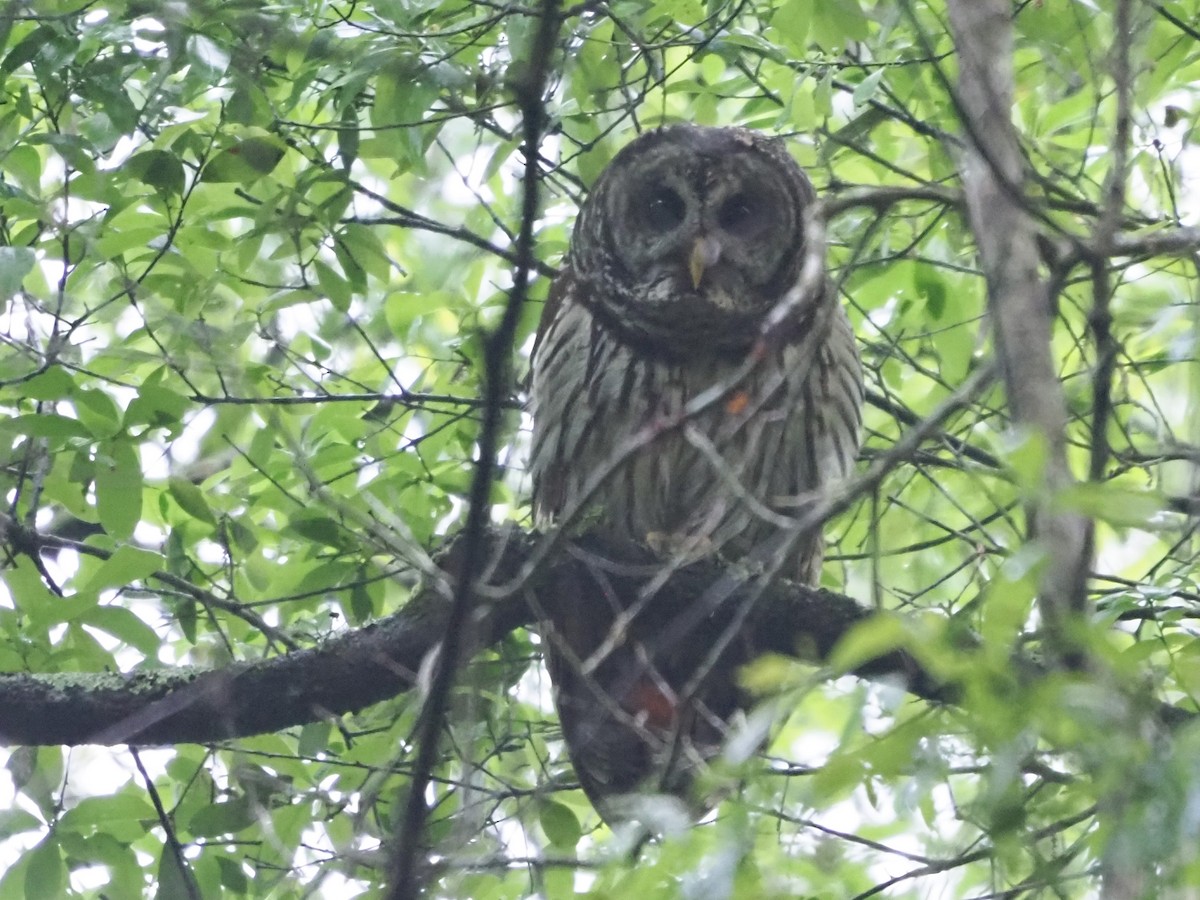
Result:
<point x="645" y="448"/>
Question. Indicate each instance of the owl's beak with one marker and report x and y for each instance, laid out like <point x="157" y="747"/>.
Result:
<point x="705" y="252"/>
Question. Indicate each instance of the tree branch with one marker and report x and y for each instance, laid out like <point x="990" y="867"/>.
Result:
<point x="1018" y="299"/>
<point x="359" y="668"/>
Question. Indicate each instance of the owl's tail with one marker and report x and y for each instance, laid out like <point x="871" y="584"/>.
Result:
<point x="645" y="686"/>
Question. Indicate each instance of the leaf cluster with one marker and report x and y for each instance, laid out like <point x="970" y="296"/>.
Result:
<point x="249" y="258"/>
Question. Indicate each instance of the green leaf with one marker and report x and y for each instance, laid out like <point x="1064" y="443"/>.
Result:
<point x="837" y="23"/>
<point x="15" y="264"/>
<point x="46" y="877"/>
<point x="116" y="241"/>
<point x="17" y="821"/>
<point x="232" y="876"/>
<point x="191" y="500"/>
<point x="367" y="249"/>
<point x="356" y="276"/>
<point x="26" y="587"/>
<point x="127" y="565"/>
<point x="791" y="22"/>
<point x="348" y="137"/>
<point x="27" y="49"/>
<point x="865" y="90"/>
<point x="157" y="406"/>
<point x="118" y="489"/>
<point x="560" y="824"/>
<point x="362" y="605"/>
<point x="840" y="775"/>
<point x="125" y="626"/>
<point x="45" y="425"/>
<point x="400" y="99"/>
<point x="316" y="526"/>
<point x="172" y="881"/>
<point x="100" y="811"/>
<point x="931" y="287"/>
<point x="314" y="739"/>
<point x="333" y="286"/>
<point x="228" y="817"/>
<point x="159" y="169"/>
<point x="767" y="674"/>
<point x="99" y="412"/>
<point x="247" y="161"/>
<point x="187" y="614"/>
<point x="53" y="384"/>
<point x="210" y="59"/>
<point x="403" y="308"/>
<point x="1026" y="453"/>
<point x="1010" y="600"/>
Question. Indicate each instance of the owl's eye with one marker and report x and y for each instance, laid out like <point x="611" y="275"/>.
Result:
<point x="665" y="209"/>
<point x="740" y="214"/>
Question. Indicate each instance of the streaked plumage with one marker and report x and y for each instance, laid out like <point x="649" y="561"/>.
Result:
<point x="686" y="242"/>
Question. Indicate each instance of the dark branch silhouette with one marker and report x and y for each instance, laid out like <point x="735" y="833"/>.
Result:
<point x="354" y="670"/>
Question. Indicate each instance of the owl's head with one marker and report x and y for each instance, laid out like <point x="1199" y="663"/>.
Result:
<point x="692" y="234"/>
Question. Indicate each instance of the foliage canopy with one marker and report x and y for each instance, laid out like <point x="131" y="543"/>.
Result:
<point x="252" y="260"/>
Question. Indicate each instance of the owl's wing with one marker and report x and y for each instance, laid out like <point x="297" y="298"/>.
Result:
<point x="563" y="284"/>
<point x="549" y="478"/>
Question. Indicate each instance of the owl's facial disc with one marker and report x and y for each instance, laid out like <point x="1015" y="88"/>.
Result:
<point x="709" y="229"/>
<point x="694" y="231"/>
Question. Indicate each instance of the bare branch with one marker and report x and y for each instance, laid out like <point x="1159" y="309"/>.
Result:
<point x="1018" y="298"/>
<point x="1166" y="242"/>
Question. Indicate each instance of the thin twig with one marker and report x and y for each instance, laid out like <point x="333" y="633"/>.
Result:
<point x="172" y="840"/>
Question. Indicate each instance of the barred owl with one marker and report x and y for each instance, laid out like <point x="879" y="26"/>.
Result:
<point x="687" y="241"/>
